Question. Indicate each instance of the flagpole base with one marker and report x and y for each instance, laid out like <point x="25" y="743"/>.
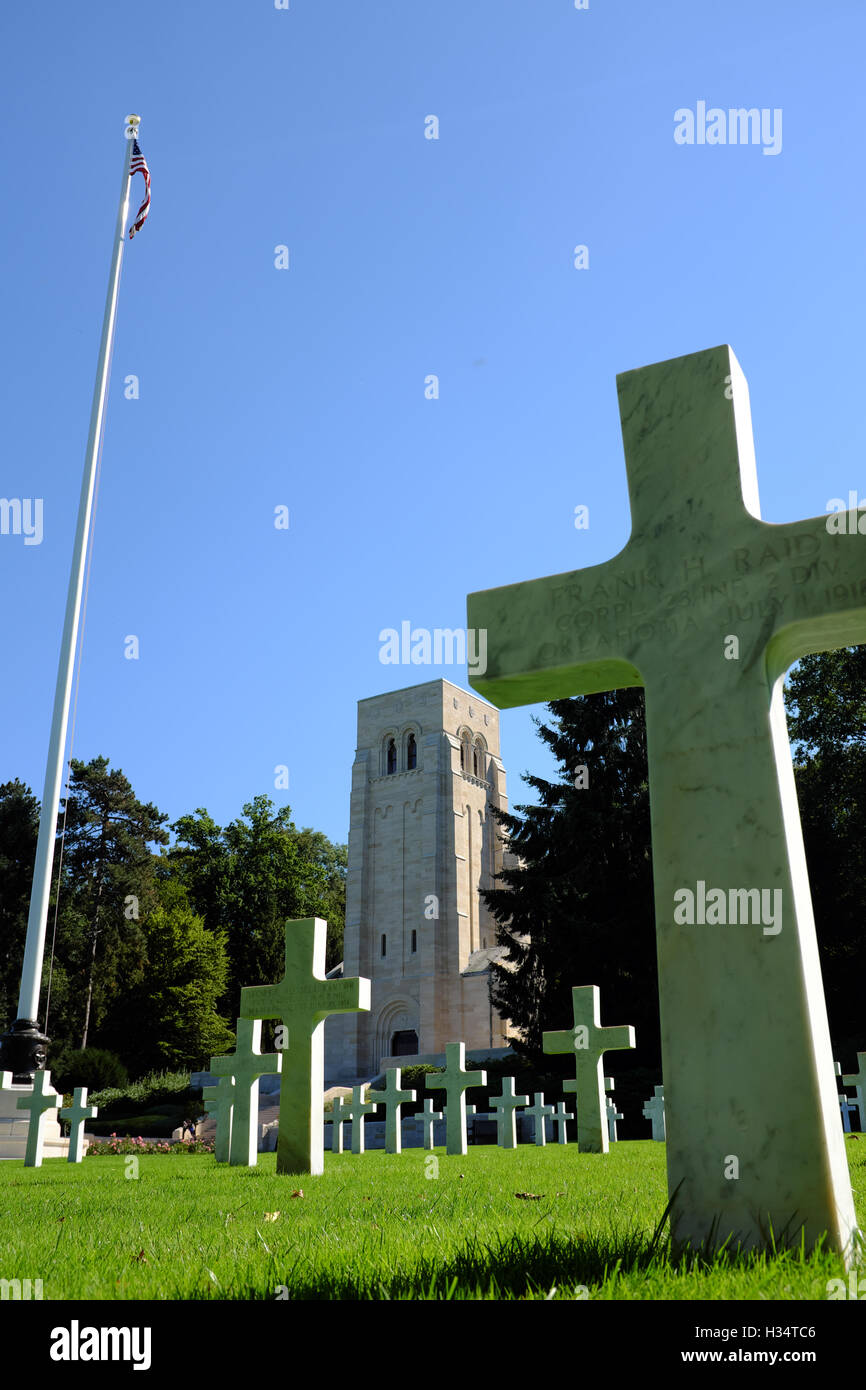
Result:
<point x="23" y="1051"/>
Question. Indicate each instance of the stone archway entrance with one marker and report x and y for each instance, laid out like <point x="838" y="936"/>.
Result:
<point x="404" y="1043"/>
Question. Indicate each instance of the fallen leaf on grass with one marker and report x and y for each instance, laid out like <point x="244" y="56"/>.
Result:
<point x="140" y="1258"/>
<point x="530" y="1196"/>
<point x="298" y="1192"/>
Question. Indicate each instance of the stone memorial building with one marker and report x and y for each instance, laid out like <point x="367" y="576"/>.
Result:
<point x="422" y="846"/>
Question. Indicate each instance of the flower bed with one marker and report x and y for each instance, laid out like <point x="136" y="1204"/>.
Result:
<point x="124" y="1144"/>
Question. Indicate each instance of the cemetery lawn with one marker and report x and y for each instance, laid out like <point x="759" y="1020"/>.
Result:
<point x="374" y="1227"/>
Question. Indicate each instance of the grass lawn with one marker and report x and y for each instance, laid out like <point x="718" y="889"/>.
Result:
<point x="376" y="1227"/>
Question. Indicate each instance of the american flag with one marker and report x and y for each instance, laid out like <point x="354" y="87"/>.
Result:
<point x="139" y="166"/>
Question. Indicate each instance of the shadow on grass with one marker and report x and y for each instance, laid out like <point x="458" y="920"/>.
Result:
<point x="539" y="1266"/>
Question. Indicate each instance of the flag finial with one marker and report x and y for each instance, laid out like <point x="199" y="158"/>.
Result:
<point x="132" y="124"/>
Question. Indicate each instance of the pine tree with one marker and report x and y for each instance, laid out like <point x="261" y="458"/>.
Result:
<point x="826" y="704"/>
<point x="108" y="884"/>
<point x="577" y="906"/>
<point x="19" y="827"/>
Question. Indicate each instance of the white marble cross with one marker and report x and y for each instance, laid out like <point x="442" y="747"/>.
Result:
<point x="560" y="1121"/>
<point x="76" y="1114"/>
<point x="219" y="1100"/>
<point x="612" y="1116"/>
<point x="455" y="1081"/>
<point x="538" y="1110"/>
<point x="706" y="607"/>
<point x="428" y="1117"/>
<point x="587" y="1041"/>
<point x="504" y="1113"/>
<point x="857" y="1079"/>
<point x="654" y="1111"/>
<point x="390" y="1100"/>
<point x="246" y="1064"/>
<point x="42" y="1099"/>
<point x="302" y="1000"/>
<point x="339" y="1117"/>
<point x="355" y="1111"/>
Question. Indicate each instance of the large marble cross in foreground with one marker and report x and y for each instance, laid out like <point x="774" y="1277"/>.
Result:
<point x="302" y="1000"/>
<point x="745" y="1042"/>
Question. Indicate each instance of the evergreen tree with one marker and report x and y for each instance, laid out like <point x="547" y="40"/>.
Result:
<point x="577" y="906"/>
<point x="108" y="883"/>
<point x="826" y="705"/>
<point x="19" y="827"/>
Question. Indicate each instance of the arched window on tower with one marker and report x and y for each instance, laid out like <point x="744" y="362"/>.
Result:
<point x="411" y="753"/>
<point x="465" y="754"/>
<point x="475" y="772"/>
<point x="391" y="757"/>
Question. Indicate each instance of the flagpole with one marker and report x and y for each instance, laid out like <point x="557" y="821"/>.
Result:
<point x="23" y="1049"/>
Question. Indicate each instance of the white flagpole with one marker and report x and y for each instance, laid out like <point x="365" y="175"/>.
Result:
<point x="31" y="1049"/>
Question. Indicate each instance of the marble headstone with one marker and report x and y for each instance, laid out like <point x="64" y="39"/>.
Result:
<point x="390" y="1100"/>
<point x="40" y="1102"/>
<point x="587" y="1042"/>
<point x="219" y="1101"/>
<point x="246" y="1064"/>
<point x="654" y="1111"/>
<point x="455" y="1080"/>
<point x="857" y="1079"/>
<point x="560" y="1121"/>
<point x="428" y="1117"/>
<point x="504" y="1111"/>
<point x="539" y="1112"/>
<point x="302" y="1000"/>
<point x="612" y="1116"/>
<point x="355" y="1111"/>
<point x="706" y="607"/>
<point x="339" y="1117"/>
<point x="76" y="1114"/>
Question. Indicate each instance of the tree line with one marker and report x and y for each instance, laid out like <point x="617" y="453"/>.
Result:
<point x="154" y="938"/>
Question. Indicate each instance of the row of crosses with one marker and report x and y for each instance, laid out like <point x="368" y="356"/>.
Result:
<point x="303" y="999"/>
<point x="40" y="1102"/>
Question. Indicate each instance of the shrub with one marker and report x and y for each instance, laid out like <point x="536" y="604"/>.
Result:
<point x="92" y="1067"/>
<point x="159" y="1088"/>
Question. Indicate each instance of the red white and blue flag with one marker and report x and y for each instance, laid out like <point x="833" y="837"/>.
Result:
<point x="139" y="166"/>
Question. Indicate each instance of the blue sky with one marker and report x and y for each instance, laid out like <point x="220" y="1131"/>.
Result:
<point x="408" y="257"/>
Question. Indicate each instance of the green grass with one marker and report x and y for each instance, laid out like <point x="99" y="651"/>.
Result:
<point x="374" y="1227"/>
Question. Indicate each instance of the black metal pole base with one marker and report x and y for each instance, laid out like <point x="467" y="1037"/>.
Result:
<point x="23" y="1051"/>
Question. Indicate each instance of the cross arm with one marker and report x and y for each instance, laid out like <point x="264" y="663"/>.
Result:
<point x="823" y="598"/>
<point x="549" y="639"/>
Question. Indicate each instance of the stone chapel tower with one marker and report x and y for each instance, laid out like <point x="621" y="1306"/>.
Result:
<point x="422" y="844"/>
